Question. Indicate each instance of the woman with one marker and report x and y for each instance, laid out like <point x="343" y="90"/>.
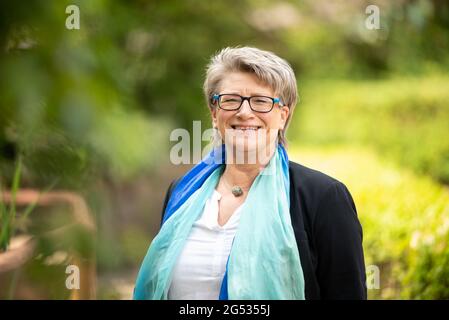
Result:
<point x="247" y="223"/>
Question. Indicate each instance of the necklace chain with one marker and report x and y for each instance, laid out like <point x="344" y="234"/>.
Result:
<point x="236" y="190"/>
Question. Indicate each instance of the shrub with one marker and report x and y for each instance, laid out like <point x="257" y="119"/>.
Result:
<point x="405" y="119"/>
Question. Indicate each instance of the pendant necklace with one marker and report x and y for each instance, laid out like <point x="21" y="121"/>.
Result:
<point x="237" y="191"/>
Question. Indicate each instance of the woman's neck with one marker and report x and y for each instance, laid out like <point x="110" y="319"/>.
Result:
<point x="243" y="174"/>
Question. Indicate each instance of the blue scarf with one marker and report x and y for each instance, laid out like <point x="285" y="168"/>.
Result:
<point x="264" y="261"/>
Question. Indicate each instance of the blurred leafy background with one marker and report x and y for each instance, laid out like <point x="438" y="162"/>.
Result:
<point x="92" y="109"/>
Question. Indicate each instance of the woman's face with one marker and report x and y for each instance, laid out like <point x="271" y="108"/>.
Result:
<point x="231" y="124"/>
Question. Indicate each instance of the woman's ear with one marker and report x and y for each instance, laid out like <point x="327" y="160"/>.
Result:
<point x="213" y="114"/>
<point x="285" y="111"/>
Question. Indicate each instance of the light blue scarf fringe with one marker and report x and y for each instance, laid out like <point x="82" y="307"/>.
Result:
<point x="264" y="261"/>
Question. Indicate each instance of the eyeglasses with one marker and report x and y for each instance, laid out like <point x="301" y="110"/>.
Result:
<point x="232" y="102"/>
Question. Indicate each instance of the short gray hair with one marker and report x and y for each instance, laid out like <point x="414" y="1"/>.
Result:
<point x="268" y="67"/>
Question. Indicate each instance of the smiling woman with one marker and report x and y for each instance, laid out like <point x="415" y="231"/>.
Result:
<point x="263" y="229"/>
<point x="239" y="118"/>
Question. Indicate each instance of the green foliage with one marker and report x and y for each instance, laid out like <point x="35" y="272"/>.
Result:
<point x="330" y="39"/>
<point x="8" y="213"/>
<point x="63" y="94"/>
<point x="129" y="152"/>
<point x="9" y="223"/>
<point x="428" y="275"/>
<point x="403" y="118"/>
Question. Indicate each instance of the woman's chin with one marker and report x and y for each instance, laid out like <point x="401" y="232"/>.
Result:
<point x="247" y="151"/>
<point x="245" y="144"/>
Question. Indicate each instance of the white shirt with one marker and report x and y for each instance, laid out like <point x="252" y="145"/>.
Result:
<point x="199" y="270"/>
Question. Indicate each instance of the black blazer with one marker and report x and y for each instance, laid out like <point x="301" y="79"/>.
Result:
<point x="328" y="234"/>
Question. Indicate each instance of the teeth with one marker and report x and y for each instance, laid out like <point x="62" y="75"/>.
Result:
<point x="245" y="128"/>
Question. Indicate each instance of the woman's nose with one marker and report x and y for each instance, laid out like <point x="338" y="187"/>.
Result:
<point x="245" y="108"/>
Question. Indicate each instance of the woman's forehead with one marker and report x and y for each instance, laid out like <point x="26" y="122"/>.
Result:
<point x="244" y="83"/>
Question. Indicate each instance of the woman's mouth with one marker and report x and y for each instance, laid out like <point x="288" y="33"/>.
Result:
<point x="245" y="128"/>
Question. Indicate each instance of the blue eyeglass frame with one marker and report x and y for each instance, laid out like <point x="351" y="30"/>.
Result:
<point x="216" y="97"/>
